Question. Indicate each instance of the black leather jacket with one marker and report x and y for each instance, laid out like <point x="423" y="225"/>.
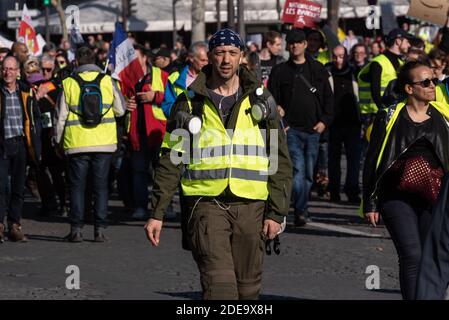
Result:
<point x="397" y="144"/>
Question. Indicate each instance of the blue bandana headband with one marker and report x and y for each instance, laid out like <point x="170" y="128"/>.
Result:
<point x="226" y="37"/>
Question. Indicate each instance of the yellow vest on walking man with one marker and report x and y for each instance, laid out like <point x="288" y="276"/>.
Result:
<point x="87" y="130"/>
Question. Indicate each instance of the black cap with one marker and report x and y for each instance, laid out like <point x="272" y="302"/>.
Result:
<point x="399" y="33"/>
<point x="162" y="52"/>
<point x="295" y="35"/>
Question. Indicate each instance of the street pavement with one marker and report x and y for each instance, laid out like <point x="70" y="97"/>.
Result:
<point x="327" y="259"/>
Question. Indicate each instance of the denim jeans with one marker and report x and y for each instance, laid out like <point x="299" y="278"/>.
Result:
<point x="350" y="138"/>
<point x="143" y="163"/>
<point x="79" y="165"/>
<point x="303" y="149"/>
<point x="12" y="162"/>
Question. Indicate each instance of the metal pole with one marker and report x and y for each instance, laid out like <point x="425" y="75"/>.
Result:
<point x="175" y="34"/>
<point x="47" y="24"/>
<point x="125" y="15"/>
<point x="278" y="8"/>
<point x="241" y="18"/>
<point x="218" y="9"/>
<point x="231" y="15"/>
<point x="16" y="7"/>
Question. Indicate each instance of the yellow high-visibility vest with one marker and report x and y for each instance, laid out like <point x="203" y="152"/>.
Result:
<point x="389" y="73"/>
<point x="157" y="85"/>
<point x="220" y="160"/>
<point x="78" y="135"/>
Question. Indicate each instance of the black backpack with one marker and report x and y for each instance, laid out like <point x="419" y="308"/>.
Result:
<point x="90" y="100"/>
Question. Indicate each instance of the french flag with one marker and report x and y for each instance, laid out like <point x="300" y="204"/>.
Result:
<point x="126" y="67"/>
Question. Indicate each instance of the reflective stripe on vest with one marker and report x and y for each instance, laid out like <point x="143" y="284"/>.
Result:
<point x="366" y="101"/>
<point x="219" y="160"/>
<point x="77" y="135"/>
<point x="157" y="85"/>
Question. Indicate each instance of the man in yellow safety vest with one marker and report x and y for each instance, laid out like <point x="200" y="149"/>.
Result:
<point x="86" y="128"/>
<point x="237" y="180"/>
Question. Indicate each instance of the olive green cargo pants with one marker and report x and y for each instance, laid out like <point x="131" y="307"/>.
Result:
<point x="228" y="247"/>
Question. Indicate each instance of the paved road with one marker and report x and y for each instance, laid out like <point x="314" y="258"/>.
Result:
<point x="325" y="260"/>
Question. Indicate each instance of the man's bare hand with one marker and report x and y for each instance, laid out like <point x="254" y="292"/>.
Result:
<point x="281" y="111"/>
<point x="271" y="228"/>
<point x="153" y="231"/>
<point x="41" y="91"/>
<point x="146" y="97"/>
<point x="319" y="127"/>
<point x="131" y="104"/>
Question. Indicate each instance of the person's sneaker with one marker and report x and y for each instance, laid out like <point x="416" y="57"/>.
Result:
<point x="99" y="236"/>
<point x="16" y="234"/>
<point x="75" y="236"/>
<point x="139" y="214"/>
<point x="300" y="220"/>
<point x="63" y="212"/>
<point x="2" y="233"/>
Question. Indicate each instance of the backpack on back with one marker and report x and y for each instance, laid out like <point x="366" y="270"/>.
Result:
<point x="90" y="100"/>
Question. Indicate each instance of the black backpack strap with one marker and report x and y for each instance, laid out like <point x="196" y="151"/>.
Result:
<point x="99" y="77"/>
<point x="197" y="102"/>
<point x="81" y="82"/>
<point x="78" y="79"/>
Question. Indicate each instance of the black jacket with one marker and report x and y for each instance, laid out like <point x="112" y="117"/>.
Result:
<point x="393" y="149"/>
<point x="433" y="277"/>
<point x="31" y="121"/>
<point x="282" y="82"/>
<point x="346" y="107"/>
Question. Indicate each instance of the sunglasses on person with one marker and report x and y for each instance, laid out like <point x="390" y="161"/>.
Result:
<point x="426" y="83"/>
<point x="47" y="69"/>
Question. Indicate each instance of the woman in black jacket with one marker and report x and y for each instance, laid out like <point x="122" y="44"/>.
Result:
<point x="406" y="159"/>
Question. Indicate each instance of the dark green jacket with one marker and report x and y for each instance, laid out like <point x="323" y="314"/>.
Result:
<point x="167" y="175"/>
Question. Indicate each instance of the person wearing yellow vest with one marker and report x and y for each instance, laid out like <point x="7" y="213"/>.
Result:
<point x="405" y="162"/>
<point x="179" y="81"/>
<point x="375" y="76"/>
<point x="235" y="201"/>
<point x="147" y="130"/>
<point x="88" y="146"/>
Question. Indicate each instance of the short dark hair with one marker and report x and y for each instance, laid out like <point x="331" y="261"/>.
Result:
<point x="404" y="75"/>
<point x="417" y="43"/>
<point x="271" y="36"/>
<point x="437" y="54"/>
<point x="50" y="46"/>
<point x="85" y="55"/>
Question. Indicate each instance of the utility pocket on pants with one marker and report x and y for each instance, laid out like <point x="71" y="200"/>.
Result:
<point x="199" y="237"/>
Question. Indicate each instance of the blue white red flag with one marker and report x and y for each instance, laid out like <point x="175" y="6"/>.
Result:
<point x="125" y="65"/>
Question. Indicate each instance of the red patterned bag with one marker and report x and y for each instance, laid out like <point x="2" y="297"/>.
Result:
<point x="418" y="177"/>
